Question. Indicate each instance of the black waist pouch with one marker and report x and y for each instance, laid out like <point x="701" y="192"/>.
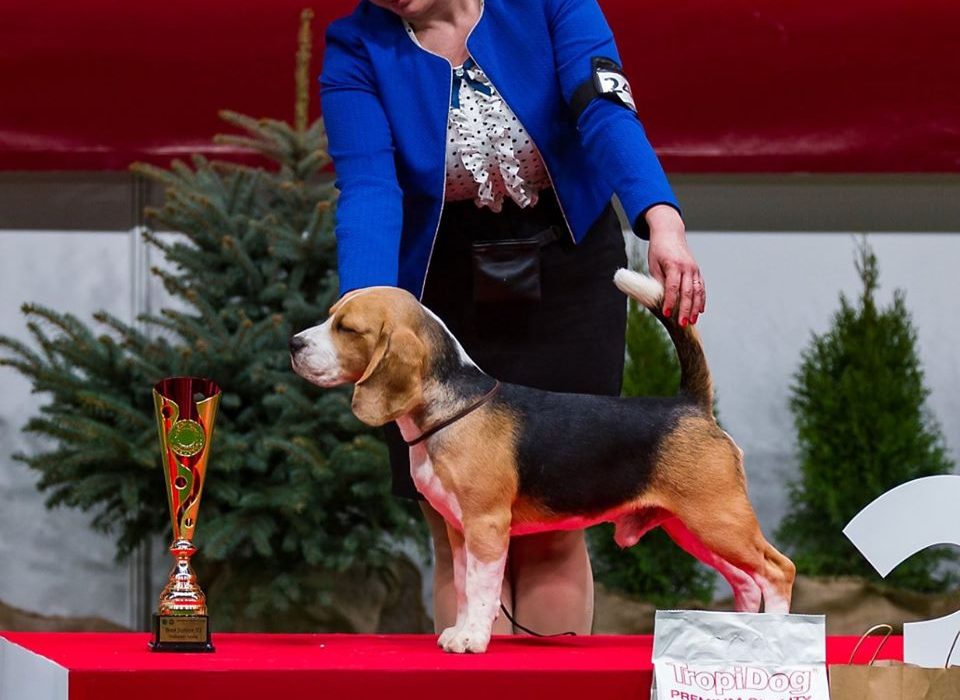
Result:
<point x="495" y="256"/>
<point x="509" y="270"/>
<point x="506" y="270"/>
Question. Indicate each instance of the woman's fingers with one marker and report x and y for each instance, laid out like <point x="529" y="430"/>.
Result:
<point x="671" y="289"/>
<point x="684" y="293"/>
<point x="686" y="297"/>
<point x="699" y="297"/>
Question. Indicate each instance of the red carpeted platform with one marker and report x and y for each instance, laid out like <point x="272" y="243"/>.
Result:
<point x="81" y="666"/>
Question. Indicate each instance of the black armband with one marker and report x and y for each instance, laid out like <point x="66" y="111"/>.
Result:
<point x="606" y="81"/>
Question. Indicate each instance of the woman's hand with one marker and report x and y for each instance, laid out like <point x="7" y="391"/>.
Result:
<point x="672" y="264"/>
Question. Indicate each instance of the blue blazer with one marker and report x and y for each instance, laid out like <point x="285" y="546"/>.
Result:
<point x="385" y="102"/>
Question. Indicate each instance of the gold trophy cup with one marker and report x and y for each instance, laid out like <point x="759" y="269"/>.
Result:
<point x="186" y="408"/>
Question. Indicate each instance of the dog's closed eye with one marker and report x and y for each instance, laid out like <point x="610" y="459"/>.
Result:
<point x="341" y="327"/>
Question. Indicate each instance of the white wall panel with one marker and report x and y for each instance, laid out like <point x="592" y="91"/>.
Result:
<point x="51" y="562"/>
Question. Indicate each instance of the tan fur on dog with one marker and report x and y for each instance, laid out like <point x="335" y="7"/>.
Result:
<point x="391" y="385"/>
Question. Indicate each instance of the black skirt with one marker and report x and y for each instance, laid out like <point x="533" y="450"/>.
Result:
<point x="571" y="340"/>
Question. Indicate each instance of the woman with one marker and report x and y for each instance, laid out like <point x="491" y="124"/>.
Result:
<point x="481" y="141"/>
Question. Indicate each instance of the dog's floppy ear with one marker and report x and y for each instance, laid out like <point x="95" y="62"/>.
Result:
<point x="392" y="383"/>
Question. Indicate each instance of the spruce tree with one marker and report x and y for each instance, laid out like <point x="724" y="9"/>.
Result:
<point x="297" y="489"/>
<point x="858" y="402"/>
<point x="655" y="569"/>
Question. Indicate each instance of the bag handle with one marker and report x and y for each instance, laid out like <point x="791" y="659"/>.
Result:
<point x="888" y="630"/>
<point x="953" y="646"/>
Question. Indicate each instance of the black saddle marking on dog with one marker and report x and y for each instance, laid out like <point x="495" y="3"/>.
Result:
<point x="580" y="454"/>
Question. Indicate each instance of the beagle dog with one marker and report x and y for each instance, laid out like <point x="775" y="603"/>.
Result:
<point x="500" y="460"/>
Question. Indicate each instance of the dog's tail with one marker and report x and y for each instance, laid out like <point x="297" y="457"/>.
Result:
<point x="695" y="378"/>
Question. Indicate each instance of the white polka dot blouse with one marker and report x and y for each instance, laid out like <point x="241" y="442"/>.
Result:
<point x="489" y="154"/>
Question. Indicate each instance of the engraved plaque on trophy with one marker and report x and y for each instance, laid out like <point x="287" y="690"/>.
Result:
<point x="186" y="408"/>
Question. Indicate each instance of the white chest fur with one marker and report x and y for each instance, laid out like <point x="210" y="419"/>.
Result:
<point x="429" y="484"/>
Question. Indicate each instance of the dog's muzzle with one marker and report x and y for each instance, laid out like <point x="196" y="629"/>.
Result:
<point x="313" y="357"/>
<point x="296" y="345"/>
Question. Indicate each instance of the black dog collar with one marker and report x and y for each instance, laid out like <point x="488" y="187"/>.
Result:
<point x="455" y="417"/>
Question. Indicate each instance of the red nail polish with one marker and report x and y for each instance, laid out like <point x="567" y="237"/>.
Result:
<point x="666" y="312"/>
<point x="683" y="322"/>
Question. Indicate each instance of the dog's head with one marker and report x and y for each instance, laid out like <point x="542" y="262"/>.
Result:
<point x="373" y="340"/>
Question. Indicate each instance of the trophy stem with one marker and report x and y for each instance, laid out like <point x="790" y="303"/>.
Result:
<point x="182" y="595"/>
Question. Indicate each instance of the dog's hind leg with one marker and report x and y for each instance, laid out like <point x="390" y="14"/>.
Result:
<point x="747" y="594"/>
<point x="729" y="530"/>
<point x="777" y="580"/>
<point x="630" y="528"/>
<point x="703" y="484"/>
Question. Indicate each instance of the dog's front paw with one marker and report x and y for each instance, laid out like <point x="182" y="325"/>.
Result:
<point x="471" y="639"/>
<point x="446" y="636"/>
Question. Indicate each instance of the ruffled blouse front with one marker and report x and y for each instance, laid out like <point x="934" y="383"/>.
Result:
<point x="490" y="155"/>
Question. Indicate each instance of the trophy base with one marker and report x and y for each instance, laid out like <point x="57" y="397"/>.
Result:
<point x="181" y="633"/>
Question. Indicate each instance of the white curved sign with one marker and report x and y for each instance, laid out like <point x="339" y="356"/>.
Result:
<point x="903" y="521"/>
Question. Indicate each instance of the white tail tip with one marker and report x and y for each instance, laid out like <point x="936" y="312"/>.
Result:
<point x="644" y="289"/>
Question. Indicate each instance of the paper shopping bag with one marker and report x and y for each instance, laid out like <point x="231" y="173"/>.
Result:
<point x="931" y="683"/>
<point x="892" y="680"/>
<point x="880" y="681"/>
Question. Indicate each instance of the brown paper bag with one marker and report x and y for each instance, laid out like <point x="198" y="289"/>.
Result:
<point x="881" y="681"/>
<point x="931" y="683"/>
<point x="892" y="680"/>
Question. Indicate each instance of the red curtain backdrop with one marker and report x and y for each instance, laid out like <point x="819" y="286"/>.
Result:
<point x="733" y="86"/>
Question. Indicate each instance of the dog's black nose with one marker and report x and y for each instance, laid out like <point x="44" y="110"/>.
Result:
<point x="296" y="343"/>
